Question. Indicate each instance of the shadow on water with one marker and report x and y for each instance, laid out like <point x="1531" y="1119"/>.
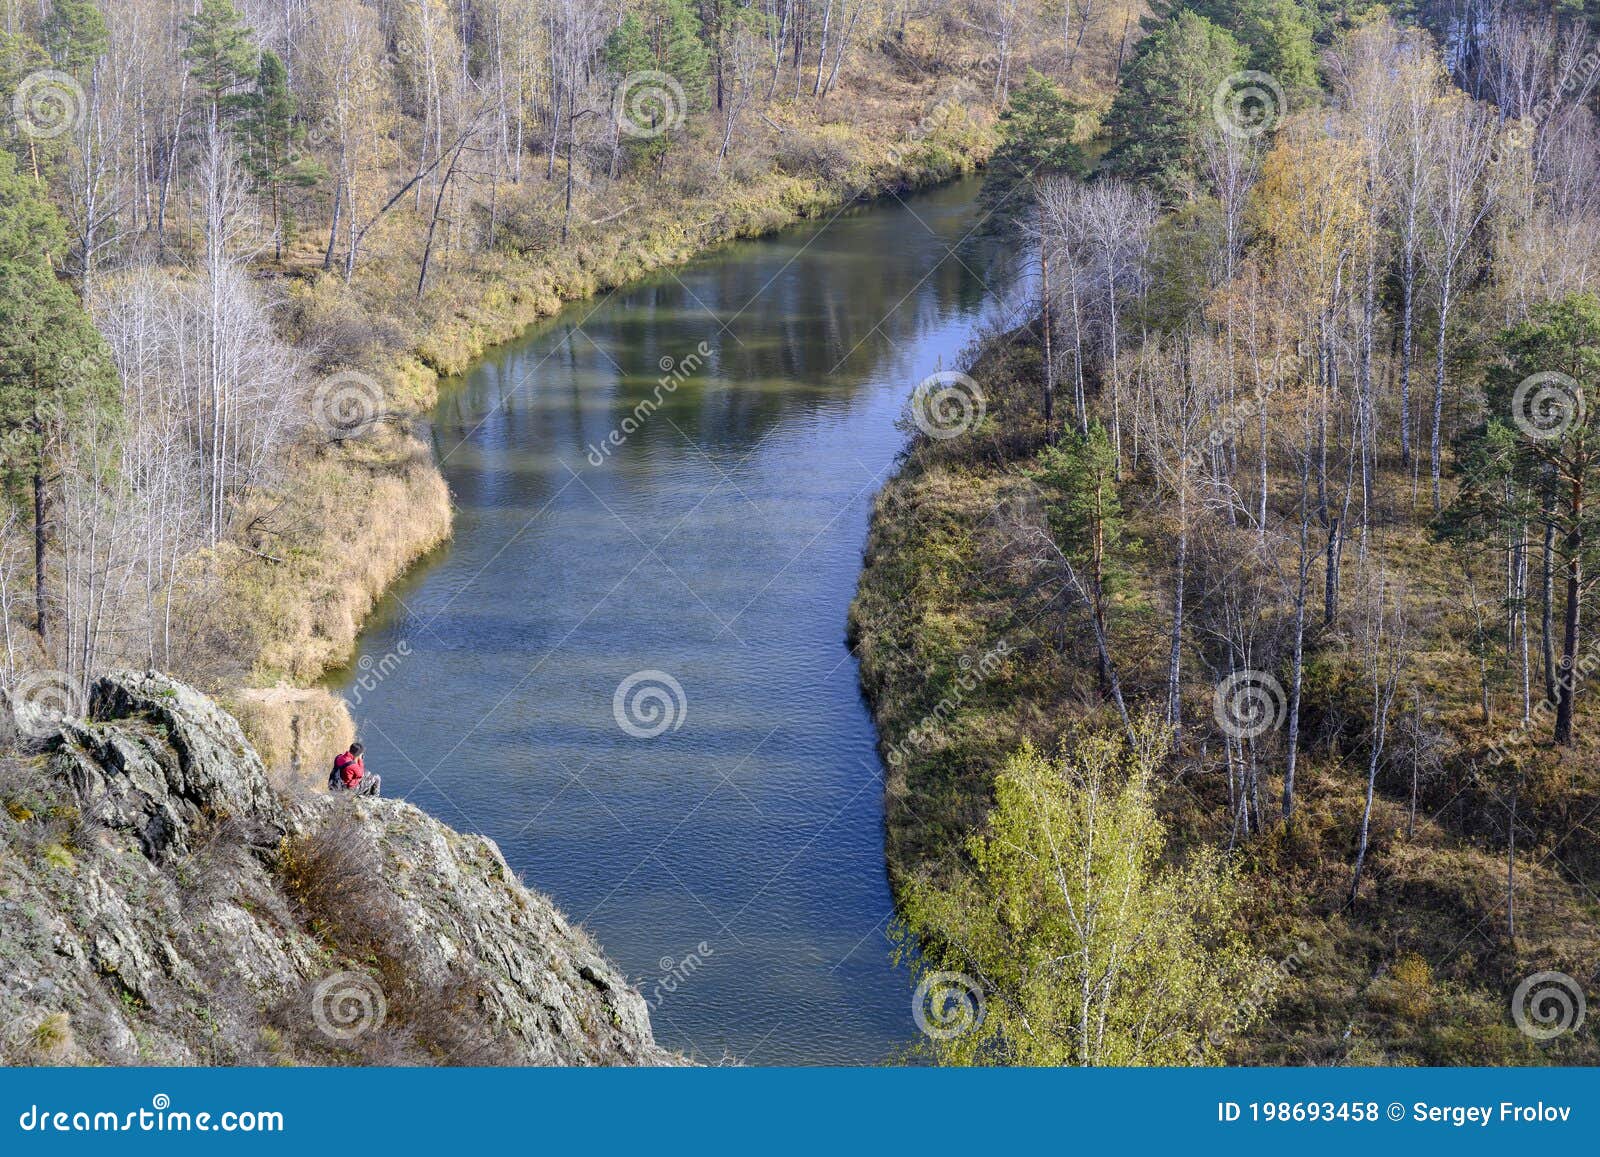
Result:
<point x="732" y="863"/>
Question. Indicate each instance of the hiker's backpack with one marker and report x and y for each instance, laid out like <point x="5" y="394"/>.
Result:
<point x="336" y="777"/>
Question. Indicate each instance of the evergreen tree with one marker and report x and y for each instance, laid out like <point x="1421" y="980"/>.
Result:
<point x="627" y="49"/>
<point x="684" y="55"/>
<point x="222" y="57"/>
<point x="1036" y="131"/>
<point x="272" y="136"/>
<point x="1277" y="34"/>
<point x="74" y="34"/>
<point x="1164" y="109"/>
<point x="55" y="372"/>
<point x="31" y="231"/>
<point x="1537" y="459"/>
<point x="1078" y="481"/>
<point x="672" y="45"/>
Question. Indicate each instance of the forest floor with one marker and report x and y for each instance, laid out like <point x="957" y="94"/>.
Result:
<point x="965" y="653"/>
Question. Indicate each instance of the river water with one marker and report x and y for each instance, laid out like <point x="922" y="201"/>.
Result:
<point x="733" y="863"/>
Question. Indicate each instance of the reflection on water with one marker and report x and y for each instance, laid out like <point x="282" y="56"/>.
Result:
<point x="715" y="546"/>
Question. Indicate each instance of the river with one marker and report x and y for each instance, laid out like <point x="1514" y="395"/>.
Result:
<point x="719" y="829"/>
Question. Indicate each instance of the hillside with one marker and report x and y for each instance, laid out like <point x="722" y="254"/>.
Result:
<point x="163" y="903"/>
<point x="1228" y="528"/>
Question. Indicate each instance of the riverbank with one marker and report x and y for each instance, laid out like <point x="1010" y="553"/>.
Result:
<point x="965" y="653"/>
<point x="358" y="513"/>
<point x="717" y="543"/>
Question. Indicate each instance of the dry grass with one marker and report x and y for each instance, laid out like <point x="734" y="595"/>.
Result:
<point x="432" y="1019"/>
<point x="1419" y="969"/>
<point x="297" y="732"/>
<point x="352" y="519"/>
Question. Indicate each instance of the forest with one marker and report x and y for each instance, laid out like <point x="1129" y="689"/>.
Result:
<point x="1268" y="536"/>
<point x="1227" y="625"/>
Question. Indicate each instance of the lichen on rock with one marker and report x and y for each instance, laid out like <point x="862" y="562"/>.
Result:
<point x="161" y="902"/>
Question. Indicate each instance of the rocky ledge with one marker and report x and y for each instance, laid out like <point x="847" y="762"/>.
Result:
<point x="162" y="902"/>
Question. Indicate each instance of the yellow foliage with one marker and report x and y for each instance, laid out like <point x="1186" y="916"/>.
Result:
<point x="1310" y="209"/>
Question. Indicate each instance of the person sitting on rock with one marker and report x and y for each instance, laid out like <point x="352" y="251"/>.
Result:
<point x="350" y="773"/>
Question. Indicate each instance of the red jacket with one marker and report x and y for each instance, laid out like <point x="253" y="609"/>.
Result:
<point x="351" y="768"/>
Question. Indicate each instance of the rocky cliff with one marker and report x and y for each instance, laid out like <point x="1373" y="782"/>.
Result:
<point x="161" y="902"/>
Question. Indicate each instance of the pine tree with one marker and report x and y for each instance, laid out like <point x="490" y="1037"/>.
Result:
<point x="1537" y="460"/>
<point x="55" y="372"/>
<point x="684" y="55"/>
<point x="1077" y="479"/>
<point x="74" y="34"/>
<point x="271" y="136"/>
<point x="222" y="58"/>
<point x="31" y="231"/>
<point x="1036" y="131"/>
<point x="1164" y="109"/>
<point x="1277" y="34"/>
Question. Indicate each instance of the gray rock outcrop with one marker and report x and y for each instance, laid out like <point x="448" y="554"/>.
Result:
<point x="162" y="903"/>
